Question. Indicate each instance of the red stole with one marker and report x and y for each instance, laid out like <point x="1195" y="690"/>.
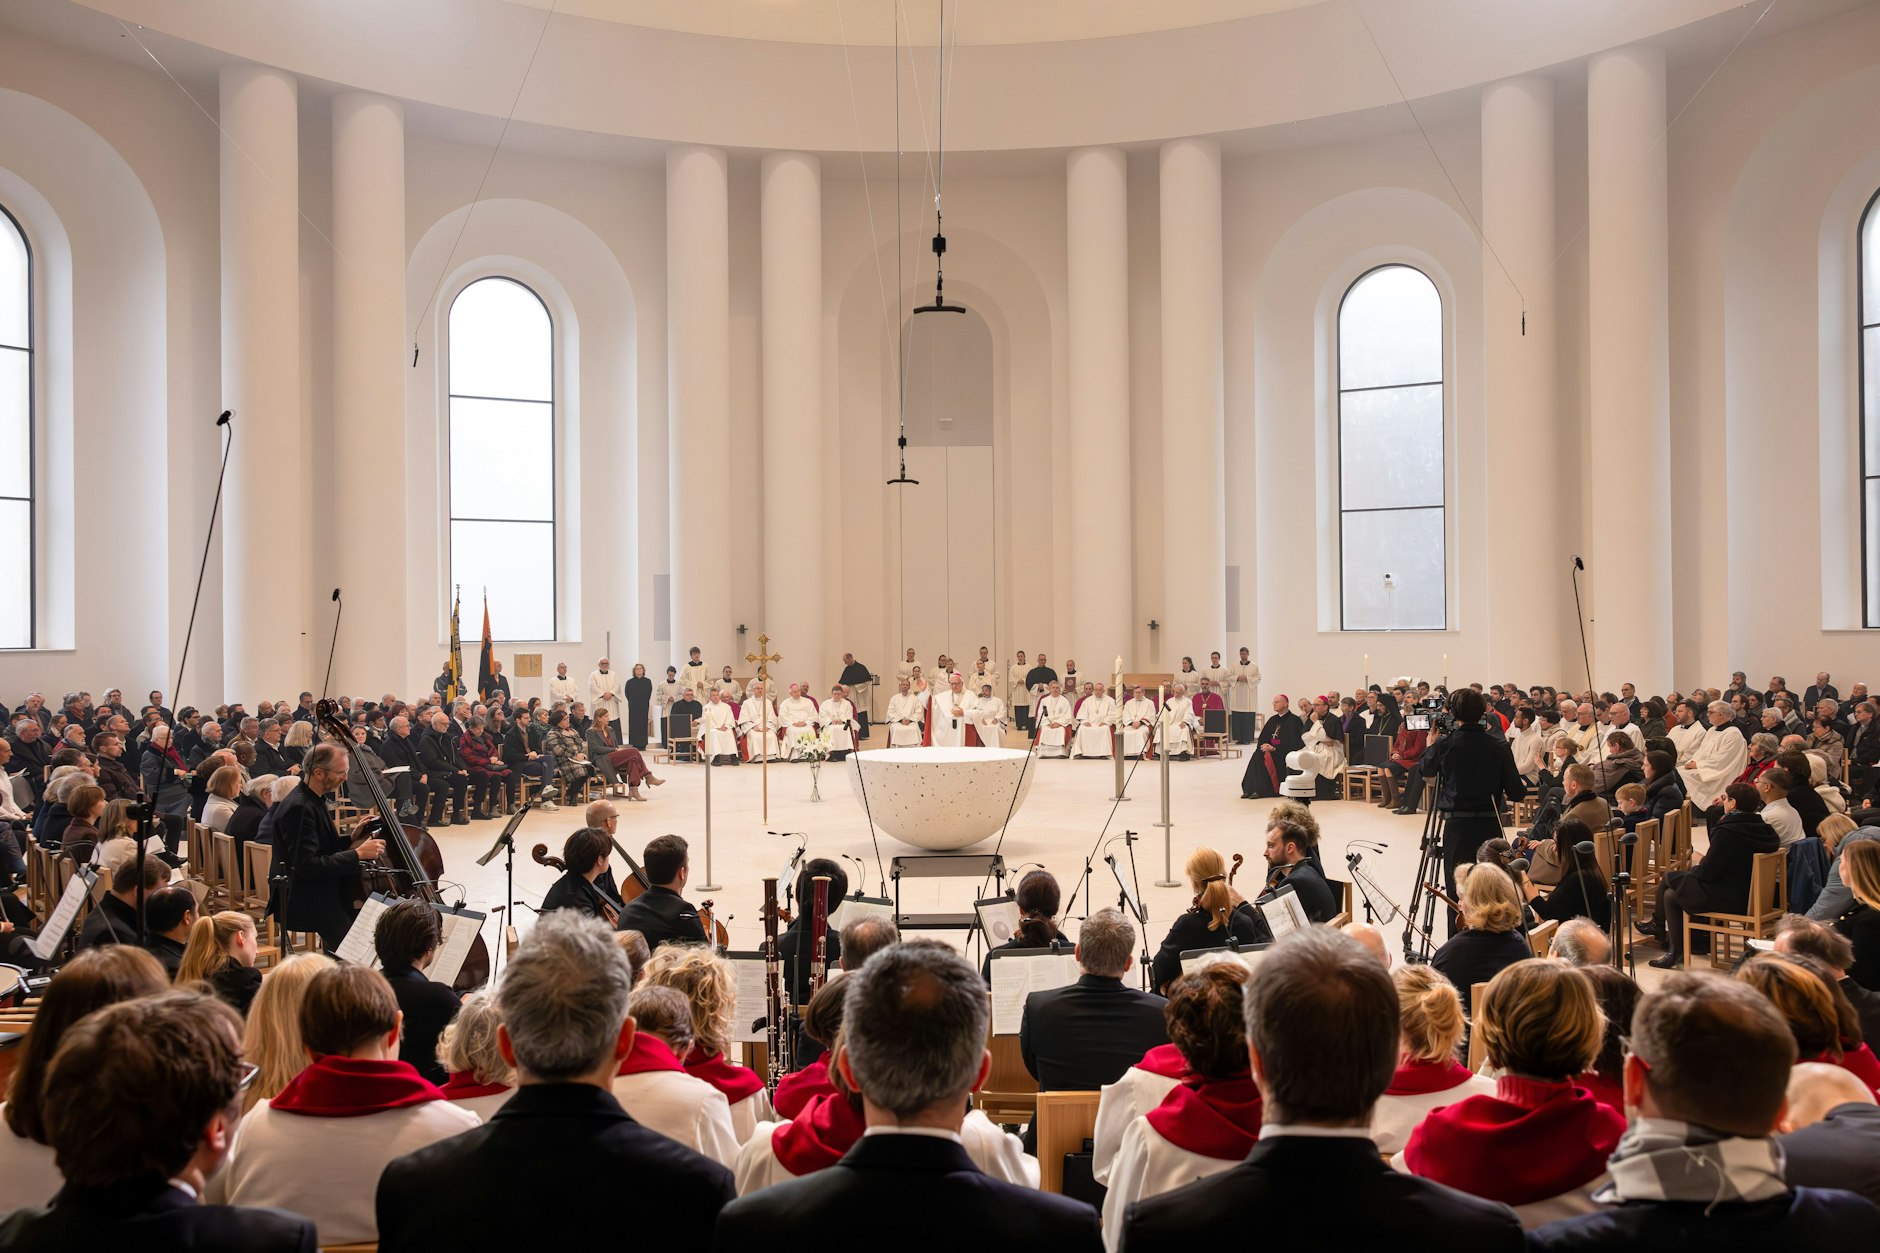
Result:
<point x="1217" y="1118"/>
<point x="818" y="1136"/>
<point x="348" y="1087"/>
<point x="1165" y="1060"/>
<point x="1528" y="1142"/>
<point x="1859" y="1062"/>
<point x="797" y="1090"/>
<point x="1420" y="1078"/>
<point x="647" y="1054"/>
<point x="463" y="1086"/>
<point x="736" y="1082"/>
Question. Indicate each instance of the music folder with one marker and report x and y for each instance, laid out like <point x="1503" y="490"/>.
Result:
<point x="52" y="936"/>
<point x="1018" y="972"/>
<point x="1249" y="955"/>
<point x="999" y="917"/>
<point x="851" y="908"/>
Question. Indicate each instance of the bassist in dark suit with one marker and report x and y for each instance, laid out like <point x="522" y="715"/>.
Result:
<point x="314" y="867"/>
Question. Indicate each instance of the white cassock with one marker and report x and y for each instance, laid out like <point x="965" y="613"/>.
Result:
<point x="790" y="711"/>
<point x="697" y="677"/>
<point x="1147" y="1165"/>
<point x="751" y="726"/>
<point x="1175" y="730"/>
<point x="563" y="691"/>
<point x="946" y="728"/>
<point x="665" y="694"/>
<point x="730" y="689"/>
<point x="1055" y="741"/>
<point x="839" y="717"/>
<point x="1330" y="748"/>
<point x="1686" y="739"/>
<point x="1093" y="726"/>
<point x="904" y="673"/>
<point x="1720" y="756"/>
<point x="1139" y="710"/>
<point x="720" y="730"/>
<point x="979" y="678"/>
<point x="905" y="711"/>
<point x="604" y="688"/>
<point x="1217" y="677"/>
<point x="989" y="721"/>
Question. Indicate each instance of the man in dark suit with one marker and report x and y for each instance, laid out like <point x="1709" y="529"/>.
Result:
<point x="406" y="938"/>
<point x="165" y="1073"/>
<point x="400" y="748"/>
<point x="563" y="1002"/>
<point x="1819" y="691"/>
<point x="269" y="759"/>
<point x="1721" y="881"/>
<point x="1706" y="1080"/>
<point x="1831" y="1131"/>
<point x="312" y="861"/>
<point x="661" y="913"/>
<point x="445" y="773"/>
<point x="914" y="1047"/>
<point x="1322" y="1030"/>
<point x="114" y="919"/>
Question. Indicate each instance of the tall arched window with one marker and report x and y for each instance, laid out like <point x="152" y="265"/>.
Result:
<point x="1869" y="318"/>
<point x="1392" y="567"/>
<point x="502" y="456"/>
<point x="17" y="538"/>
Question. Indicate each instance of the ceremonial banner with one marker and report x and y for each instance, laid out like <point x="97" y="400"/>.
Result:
<point x="456" y="652"/>
<point x="485" y="671"/>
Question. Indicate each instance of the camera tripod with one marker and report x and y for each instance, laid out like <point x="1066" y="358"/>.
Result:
<point x="1418" y="943"/>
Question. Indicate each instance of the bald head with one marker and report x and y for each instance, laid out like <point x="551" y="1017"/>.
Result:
<point x="1816" y="1089"/>
<point x="1372" y="939"/>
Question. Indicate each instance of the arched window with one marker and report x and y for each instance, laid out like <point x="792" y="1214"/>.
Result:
<point x="502" y="456"/>
<point x="1869" y="318"/>
<point x="1392" y="567"/>
<point x="17" y="537"/>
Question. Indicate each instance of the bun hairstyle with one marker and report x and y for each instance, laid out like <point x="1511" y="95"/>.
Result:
<point x="1038" y="900"/>
<point x="1430" y="1013"/>
<point x="1208" y="874"/>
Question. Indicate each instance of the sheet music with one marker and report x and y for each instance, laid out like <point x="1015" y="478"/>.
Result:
<point x="747" y="971"/>
<point x="48" y="941"/>
<point x="1193" y="959"/>
<point x="460" y="932"/>
<point x="359" y="947"/>
<point x="1015" y="978"/>
<point x="390" y="770"/>
<point x="854" y="907"/>
<point x="1283" y="912"/>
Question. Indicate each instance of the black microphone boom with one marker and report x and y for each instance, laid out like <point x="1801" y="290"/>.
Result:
<point x="214" y="509"/>
<point x="1580" y="616"/>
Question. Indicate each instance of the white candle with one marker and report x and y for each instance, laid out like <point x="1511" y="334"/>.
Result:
<point x="1367" y="663"/>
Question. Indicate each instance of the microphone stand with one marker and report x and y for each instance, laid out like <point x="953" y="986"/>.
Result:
<point x="215" y="508"/>
<point x="334" y="646"/>
<point x="506" y="843"/>
<point x="1579" y="615"/>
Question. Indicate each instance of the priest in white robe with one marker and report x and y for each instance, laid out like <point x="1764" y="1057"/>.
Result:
<point x="1138" y="722"/>
<point x="1095" y="717"/>
<point x="906" y="712"/>
<point x="1719" y="757"/>
<point x="728" y="687"/>
<point x="719" y="732"/>
<point x="949" y="713"/>
<point x="604" y="690"/>
<point x="1243" y="698"/>
<point x="1176" y="728"/>
<point x="756" y="710"/>
<point x="1056" y="723"/>
<point x="989" y="717"/>
<point x="797" y="712"/>
<point x="1686" y="732"/>
<point x="837" y="717"/>
<point x="904" y="672"/>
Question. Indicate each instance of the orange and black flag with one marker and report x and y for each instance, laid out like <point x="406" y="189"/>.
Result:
<point x="455" y="660"/>
<point x="486" y="669"/>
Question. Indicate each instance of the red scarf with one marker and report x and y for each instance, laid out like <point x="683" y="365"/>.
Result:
<point x="1420" y="1078"/>
<point x="1528" y="1142"/>
<point x="1217" y="1118"/>
<point x="1859" y="1062"/>
<point x="1165" y="1060"/>
<point x="1606" y="1092"/>
<point x="735" y="1081"/>
<point x="463" y="1086"/>
<point x="818" y="1136"/>
<point x="648" y="1053"/>
<point x="798" y="1090"/>
<point x="348" y="1087"/>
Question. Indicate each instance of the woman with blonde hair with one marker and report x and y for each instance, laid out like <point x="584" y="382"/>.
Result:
<point x="708" y="985"/>
<point x="652" y="1085"/>
<point x="1490" y="939"/>
<point x="272" y="1041"/>
<point x="1541" y="1141"/>
<point x="480" y="1080"/>
<point x="1428" y="1075"/>
<point x="221" y="954"/>
<point x="1859" y="866"/>
<point x="224" y="786"/>
<point x="1219" y="911"/>
<point x="1820" y="1017"/>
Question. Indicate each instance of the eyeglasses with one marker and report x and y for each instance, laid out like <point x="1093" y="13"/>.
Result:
<point x="249" y="1072"/>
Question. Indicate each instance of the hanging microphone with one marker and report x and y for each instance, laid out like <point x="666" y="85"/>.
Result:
<point x="1577" y="563"/>
<point x="226" y="415"/>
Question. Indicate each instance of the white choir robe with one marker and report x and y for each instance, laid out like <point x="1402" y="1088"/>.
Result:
<point x="1147" y="1165"/>
<point x="904" y="673"/>
<point x="989" y="721"/>
<point x="945" y="729"/>
<point x="839" y="717"/>
<point x="1393" y="1118"/>
<point x="665" y="695"/>
<point x="790" y="711"/>
<point x="604" y="689"/>
<point x="1093" y="727"/>
<point x="996" y="1153"/>
<point x="748" y="1113"/>
<point x="699" y="678"/>
<point x="563" y="691"/>
<point x="730" y="689"/>
<point x="979" y="678"/>
<point x="1055" y="741"/>
<point x="905" y="711"/>
<point x="1686" y="739"/>
<point x="751" y="727"/>
<point x="1243" y="688"/>
<point x="720" y="730"/>
<point x="1137" y="709"/>
<point x="1134" y="1094"/>
<point x="1217" y="676"/>
<point x="681" y="1107"/>
<point x="1720" y="756"/>
<point x="1175" y="730"/>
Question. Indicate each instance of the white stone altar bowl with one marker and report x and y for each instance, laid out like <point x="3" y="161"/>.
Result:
<point x="940" y="799"/>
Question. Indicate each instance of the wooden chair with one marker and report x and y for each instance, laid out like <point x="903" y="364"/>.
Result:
<point x="1477" y="1054"/>
<point x="1212" y="740"/>
<point x="260" y="859"/>
<point x="1364" y="783"/>
<point x="196" y="848"/>
<point x="1343" y="888"/>
<point x="1065" y="1121"/>
<point x="367" y="1246"/>
<point x="681" y="736"/>
<point x="1646" y="869"/>
<point x="228" y="870"/>
<point x="1768" y="901"/>
<point x="1010" y="1094"/>
<point x="1541" y="937"/>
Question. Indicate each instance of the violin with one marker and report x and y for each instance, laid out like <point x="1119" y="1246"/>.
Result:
<point x="603" y="904"/>
<point x="1231" y="872"/>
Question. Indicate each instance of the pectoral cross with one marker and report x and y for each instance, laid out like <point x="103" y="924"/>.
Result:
<point x="763" y="657"/>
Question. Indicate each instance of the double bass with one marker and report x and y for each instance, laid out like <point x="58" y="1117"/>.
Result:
<point x="411" y="864"/>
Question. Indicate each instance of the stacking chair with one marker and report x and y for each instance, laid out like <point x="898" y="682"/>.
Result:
<point x="1768" y="901"/>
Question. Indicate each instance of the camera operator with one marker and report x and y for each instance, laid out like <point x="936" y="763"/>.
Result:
<point x="1477" y="769"/>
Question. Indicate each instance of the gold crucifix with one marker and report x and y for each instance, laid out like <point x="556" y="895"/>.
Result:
<point x="763" y="657"/>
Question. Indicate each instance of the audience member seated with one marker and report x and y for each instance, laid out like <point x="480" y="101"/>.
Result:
<point x="1618" y="997"/>
<point x="1548" y="857"/>
<point x="272" y="1039"/>
<point x="1705" y="1083"/>
<point x="1582" y="891"/>
<point x="1490" y="940"/>
<point x="1580" y="942"/>
<point x="1220" y="913"/>
<point x="914" y="1047"/>
<point x="142" y="1101"/>
<point x="90" y="981"/>
<point x="710" y="989"/>
<point x="221" y="955"/>
<point x="1211" y="1120"/>
<point x="1835" y="954"/>
<point x="1664" y="787"/>
<point x="1830" y="1132"/>
<point x="1774" y="786"/>
<point x="1859" y="864"/>
<point x="554" y="1166"/>
<point x="85" y="802"/>
<point x="169" y="913"/>
<point x="1824" y="1023"/>
<point x="1428" y="1075"/>
<point x="1323" y="1032"/>
<point x="251" y="807"/>
<point x="653" y="1086"/>
<point x="1719" y="882"/>
<point x="480" y="1080"/>
<point x="406" y="938"/>
<point x="224" y="786"/>
<point x="1540" y="1142"/>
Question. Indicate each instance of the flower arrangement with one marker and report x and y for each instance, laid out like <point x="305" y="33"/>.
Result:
<point x="812" y="746"/>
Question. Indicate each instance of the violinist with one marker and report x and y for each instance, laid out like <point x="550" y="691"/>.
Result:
<point x="1219" y="912"/>
<point x="314" y="869"/>
<point x="661" y="913"/>
<point x="584" y="859"/>
<point x="1289" y="859"/>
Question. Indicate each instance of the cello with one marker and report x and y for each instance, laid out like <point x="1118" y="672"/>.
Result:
<point x="605" y="906"/>
<point x="412" y="864"/>
<point x="638" y="885"/>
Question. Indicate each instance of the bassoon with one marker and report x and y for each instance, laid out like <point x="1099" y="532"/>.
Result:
<point x="819" y="929"/>
<point x="776" y="995"/>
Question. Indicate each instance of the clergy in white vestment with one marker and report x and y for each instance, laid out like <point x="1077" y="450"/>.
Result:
<point x="949" y="714"/>
<point x="1720" y="756"/>
<point x="752" y="715"/>
<point x="904" y="672"/>
<point x="989" y="719"/>
<point x="1138" y="721"/>
<point x="797" y="712"/>
<point x="1324" y="737"/>
<point x="729" y="687"/>
<point x="719" y="730"/>
<point x="562" y="690"/>
<point x="665" y="695"/>
<point x="1095" y="717"/>
<point x="1686" y="730"/>
<point x="837" y="717"/>
<point x="905" y="713"/>
<point x="984" y="674"/>
<point x="1243" y="698"/>
<point x="604" y="690"/>
<point x="696" y="673"/>
<point x="1216" y="675"/>
<point x="1055" y="723"/>
<point x="1175" y="729"/>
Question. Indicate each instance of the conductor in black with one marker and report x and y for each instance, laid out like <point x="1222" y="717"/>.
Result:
<point x="1477" y="771"/>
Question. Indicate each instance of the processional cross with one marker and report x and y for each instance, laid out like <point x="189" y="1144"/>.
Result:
<point x="763" y="657"/>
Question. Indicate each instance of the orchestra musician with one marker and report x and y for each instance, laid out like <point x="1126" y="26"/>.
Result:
<point x="313" y="863"/>
<point x="662" y="914"/>
<point x="1219" y="911"/>
<point x="584" y="855"/>
<point x="1289" y="849"/>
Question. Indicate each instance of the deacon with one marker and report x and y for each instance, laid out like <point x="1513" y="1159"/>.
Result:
<point x="1095" y="713"/>
<point x="989" y="721"/>
<point x="1054" y="721"/>
<point x="906" y="714"/>
<point x="604" y="690"/>
<point x="718" y="731"/>
<point x="950" y="714"/>
<point x="837" y="717"/>
<point x="1138" y="719"/>
<point x="798" y="713"/>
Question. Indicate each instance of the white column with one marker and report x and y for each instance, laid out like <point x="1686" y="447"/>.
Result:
<point x="1097" y="234"/>
<point x="1529" y="607"/>
<point x="369" y="387"/>
<point x="698" y="398"/>
<point x="1194" y="545"/>
<point x="1629" y="527"/>
<point x="265" y="528"/>
<point x="794" y="586"/>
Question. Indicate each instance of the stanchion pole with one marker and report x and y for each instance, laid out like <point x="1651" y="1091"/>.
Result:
<point x="708" y="885"/>
<point x="1168" y="828"/>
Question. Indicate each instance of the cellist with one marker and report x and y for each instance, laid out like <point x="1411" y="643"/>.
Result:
<point x="311" y="858"/>
<point x="583" y="860"/>
<point x="662" y="914"/>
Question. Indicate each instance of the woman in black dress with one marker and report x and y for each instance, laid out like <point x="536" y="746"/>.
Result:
<point x="1219" y="911"/>
<point x="639" y="706"/>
